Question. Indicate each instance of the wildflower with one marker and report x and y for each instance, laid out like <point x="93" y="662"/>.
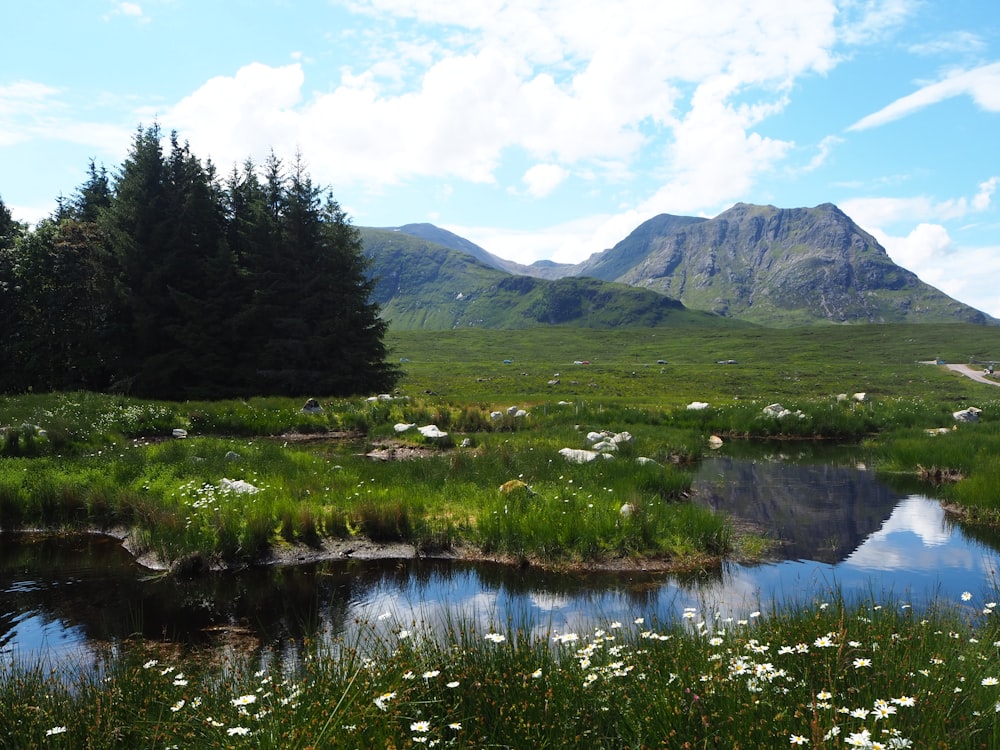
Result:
<point x="453" y="684"/>
<point x="234" y="731"/>
<point x="966" y="596"/>
<point x="177" y="706"/>
<point x="987" y="681"/>
<point x="859" y="713"/>
<point x="456" y="725"/>
<point x="824" y="641"/>
<point x="798" y="739"/>
<point x="859" y="739"/>
<point x="54" y="730"/>
<point x="244" y="700"/>
<point x="639" y="620"/>
<point x="150" y="664"/>
<point x="537" y="673"/>
<point x="860" y="663"/>
<point x="715" y="641"/>
<point x="495" y="637"/>
<point x="383" y="699"/>
<point x="420" y="726"/>
<point x="824" y="695"/>
<point x="883" y="712"/>
<point x="431" y="673"/>
<point x="403" y="635"/>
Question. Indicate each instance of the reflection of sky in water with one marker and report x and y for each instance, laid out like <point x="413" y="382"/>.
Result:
<point x="913" y="555"/>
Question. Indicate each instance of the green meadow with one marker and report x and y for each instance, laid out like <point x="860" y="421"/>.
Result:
<point x="252" y="478"/>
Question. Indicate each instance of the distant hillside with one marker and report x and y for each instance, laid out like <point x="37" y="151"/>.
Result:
<point x="778" y="267"/>
<point x="424" y="285"/>
<point x="760" y="264"/>
<point x="541" y="269"/>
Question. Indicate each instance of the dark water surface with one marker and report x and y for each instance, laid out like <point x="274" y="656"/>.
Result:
<point x="839" y="527"/>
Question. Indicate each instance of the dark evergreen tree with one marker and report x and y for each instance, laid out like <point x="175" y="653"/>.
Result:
<point x="93" y="197"/>
<point x="167" y="286"/>
<point x="137" y="226"/>
<point x="167" y="232"/>
<point x="10" y="317"/>
<point x="63" y="297"/>
<point x="316" y="330"/>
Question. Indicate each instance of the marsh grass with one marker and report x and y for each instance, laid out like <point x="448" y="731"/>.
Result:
<point x="96" y="460"/>
<point x="830" y="674"/>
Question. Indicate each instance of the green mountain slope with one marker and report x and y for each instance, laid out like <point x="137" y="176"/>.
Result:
<point x="423" y="285"/>
<point x="760" y="264"/>
<point x="777" y="267"/>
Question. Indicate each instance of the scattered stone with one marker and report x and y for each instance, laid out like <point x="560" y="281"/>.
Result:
<point x="237" y="487"/>
<point x="312" y="406"/>
<point x="697" y="405"/>
<point x="967" y="415"/>
<point x="715" y="442"/>
<point x="233" y="456"/>
<point x="402" y="427"/>
<point x="581" y="456"/>
<point x="432" y="432"/>
<point x="179" y="433"/>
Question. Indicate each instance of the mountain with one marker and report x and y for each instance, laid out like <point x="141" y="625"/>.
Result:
<point x="760" y="264"/>
<point x="543" y="269"/>
<point x="421" y="284"/>
<point x="777" y="267"/>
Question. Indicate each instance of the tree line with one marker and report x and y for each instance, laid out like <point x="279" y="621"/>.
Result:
<point x="167" y="281"/>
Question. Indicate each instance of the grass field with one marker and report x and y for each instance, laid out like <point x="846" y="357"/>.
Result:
<point x="88" y="460"/>
<point x="870" y="674"/>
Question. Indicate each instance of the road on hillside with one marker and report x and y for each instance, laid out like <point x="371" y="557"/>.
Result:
<point x="969" y="372"/>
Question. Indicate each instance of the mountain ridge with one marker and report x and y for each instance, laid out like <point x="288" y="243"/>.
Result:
<point x="754" y="263"/>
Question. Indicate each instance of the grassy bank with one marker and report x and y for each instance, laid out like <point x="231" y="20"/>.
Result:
<point x="871" y="674"/>
<point x="245" y="480"/>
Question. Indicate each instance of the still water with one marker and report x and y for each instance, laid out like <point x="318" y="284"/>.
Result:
<point x="840" y="529"/>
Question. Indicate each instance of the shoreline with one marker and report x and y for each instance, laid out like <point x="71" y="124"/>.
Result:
<point x="342" y="550"/>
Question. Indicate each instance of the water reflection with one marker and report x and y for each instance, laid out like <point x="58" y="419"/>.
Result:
<point x="840" y="530"/>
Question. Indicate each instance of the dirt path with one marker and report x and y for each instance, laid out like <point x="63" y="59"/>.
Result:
<point x="969" y="372"/>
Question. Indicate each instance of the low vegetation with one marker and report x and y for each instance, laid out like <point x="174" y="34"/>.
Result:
<point x="866" y="674"/>
<point x="232" y="481"/>
<point x="252" y="476"/>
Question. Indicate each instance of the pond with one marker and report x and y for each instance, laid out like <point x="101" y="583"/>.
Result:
<point x="840" y="529"/>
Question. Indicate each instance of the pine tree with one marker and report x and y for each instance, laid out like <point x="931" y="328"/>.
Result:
<point x="317" y="331"/>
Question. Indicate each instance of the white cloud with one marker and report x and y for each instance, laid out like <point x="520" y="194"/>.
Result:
<point x="960" y="42"/>
<point x="127" y="9"/>
<point x="566" y="82"/>
<point x="983" y="199"/>
<point x="542" y="179"/>
<point x="881" y="212"/>
<point x="982" y="84"/>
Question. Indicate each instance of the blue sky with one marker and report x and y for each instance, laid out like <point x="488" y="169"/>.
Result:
<point x="540" y="128"/>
